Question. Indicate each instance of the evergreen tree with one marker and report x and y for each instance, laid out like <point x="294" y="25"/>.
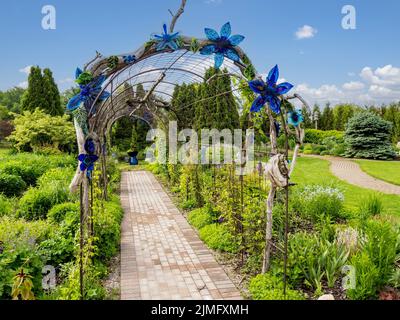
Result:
<point x="327" y="119"/>
<point x="52" y="95"/>
<point x="392" y="114"/>
<point x="42" y="93"/>
<point x="368" y="136"/>
<point x="316" y="116"/>
<point x="34" y="96"/>
<point x="217" y="107"/>
<point x="308" y="124"/>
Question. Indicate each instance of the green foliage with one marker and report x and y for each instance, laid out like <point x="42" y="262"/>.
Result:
<point x="19" y="241"/>
<point x="191" y="186"/>
<point x="107" y="230"/>
<point x="395" y="278"/>
<point x="381" y="247"/>
<point x="11" y="185"/>
<point x="367" y="278"/>
<point x="218" y="237"/>
<point x="11" y="99"/>
<point x="270" y="287"/>
<point x="371" y="206"/>
<point x="42" y="93"/>
<point x="6" y="207"/>
<point x="368" y="136"/>
<point x="318" y="136"/>
<point x="184" y="100"/>
<point x="313" y="259"/>
<point x="59" y="212"/>
<point x="29" y="172"/>
<point x="317" y="202"/>
<point x="220" y="112"/>
<point x="37" y="130"/>
<point x="200" y="218"/>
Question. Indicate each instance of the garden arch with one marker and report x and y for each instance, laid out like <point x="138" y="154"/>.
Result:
<point x="165" y="61"/>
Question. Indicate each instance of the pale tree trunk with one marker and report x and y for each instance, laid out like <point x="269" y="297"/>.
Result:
<point x="268" y="231"/>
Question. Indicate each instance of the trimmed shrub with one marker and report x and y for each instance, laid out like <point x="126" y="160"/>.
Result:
<point x="11" y="185"/>
<point x="28" y="172"/>
<point x="5" y="206"/>
<point x="217" y="237"/>
<point x="200" y="218"/>
<point x="318" y="136"/>
<point x="59" y="212"/>
<point x="269" y="287"/>
<point x="36" y="202"/>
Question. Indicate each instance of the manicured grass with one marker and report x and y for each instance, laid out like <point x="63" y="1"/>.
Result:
<point x="388" y="171"/>
<point x="316" y="171"/>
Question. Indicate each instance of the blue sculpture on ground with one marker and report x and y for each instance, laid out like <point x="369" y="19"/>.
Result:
<point x="133" y="161"/>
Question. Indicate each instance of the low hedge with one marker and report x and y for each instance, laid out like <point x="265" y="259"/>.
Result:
<point x="314" y="136"/>
<point x="11" y="185"/>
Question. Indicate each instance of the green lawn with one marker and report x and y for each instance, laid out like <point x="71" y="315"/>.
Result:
<point x="316" y="171"/>
<point x="388" y="171"/>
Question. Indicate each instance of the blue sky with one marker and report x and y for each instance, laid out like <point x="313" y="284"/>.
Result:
<point x="328" y="63"/>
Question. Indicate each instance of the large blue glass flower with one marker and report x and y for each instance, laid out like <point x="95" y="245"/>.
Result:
<point x="90" y="90"/>
<point x="87" y="161"/>
<point x="269" y="91"/>
<point x="295" y="118"/>
<point x="222" y="45"/>
<point x="166" y="40"/>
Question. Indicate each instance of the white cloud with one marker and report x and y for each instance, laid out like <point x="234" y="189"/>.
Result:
<point x="23" y="85"/>
<point x="66" y="81"/>
<point x="306" y="32"/>
<point x="353" y="86"/>
<point x="374" y="86"/>
<point x="26" y="70"/>
<point x="213" y="1"/>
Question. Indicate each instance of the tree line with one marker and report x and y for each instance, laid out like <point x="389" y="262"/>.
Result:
<point x="337" y="117"/>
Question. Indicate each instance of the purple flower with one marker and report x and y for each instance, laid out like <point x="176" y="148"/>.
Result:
<point x="269" y="91"/>
<point x="223" y="46"/>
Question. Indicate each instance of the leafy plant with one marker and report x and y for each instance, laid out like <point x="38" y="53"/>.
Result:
<point x="270" y="287"/>
<point x="217" y="237"/>
<point x="22" y="287"/>
<point x="371" y="206"/>
<point x="200" y="218"/>
<point x="367" y="277"/>
<point x="11" y="185"/>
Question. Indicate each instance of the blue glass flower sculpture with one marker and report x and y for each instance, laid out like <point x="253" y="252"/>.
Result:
<point x="90" y="90"/>
<point x="87" y="161"/>
<point x="166" y="40"/>
<point x="129" y="59"/>
<point x="269" y="91"/>
<point x="90" y="147"/>
<point x="295" y="118"/>
<point x="223" y="45"/>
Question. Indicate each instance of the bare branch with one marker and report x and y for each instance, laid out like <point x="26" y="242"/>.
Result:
<point x="177" y="15"/>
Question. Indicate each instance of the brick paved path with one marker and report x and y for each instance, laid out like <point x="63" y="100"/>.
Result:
<point x="162" y="257"/>
<point x="351" y="172"/>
